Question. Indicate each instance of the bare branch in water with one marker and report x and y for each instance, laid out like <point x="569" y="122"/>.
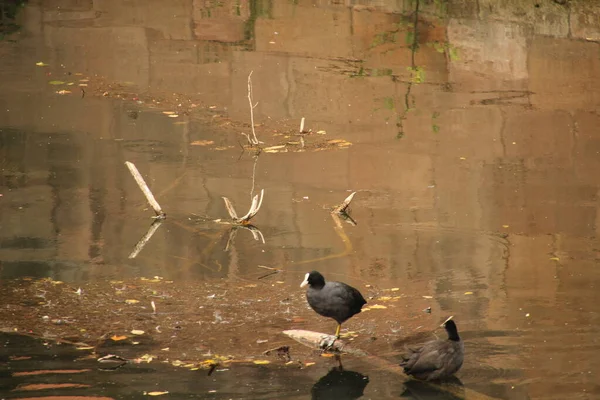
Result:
<point x="146" y="190"/>
<point x="256" y="203"/>
<point x="230" y="209"/>
<point x="140" y="245"/>
<point x="342" y="207"/>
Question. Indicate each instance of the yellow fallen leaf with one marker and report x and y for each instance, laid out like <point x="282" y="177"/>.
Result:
<point x="376" y="306"/>
<point x="176" y="363"/>
<point x="41" y="64"/>
<point x="321" y="132"/>
<point x="83" y="84"/>
<point x="463" y="158"/>
<point x="137" y="332"/>
<point x="173" y="116"/>
<point x="308" y="364"/>
<point x="84" y="348"/>
<point x="168" y="112"/>
<point x="468" y="292"/>
<point x="132" y="301"/>
<point x="327" y="355"/>
<point x="262" y="362"/>
<point x="384" y="298"/>
<point x="505" y="226"/>
<point x="555" y="258"/>
<point x="63" y="92"/>
<point x="394" y="289"/>
<point x="147" y="358"/>
<point x="428" y="297"/>
<point x="202" y="142"/>
<point x="116" y="338"/>
<point x="156" y="393"/>
<point x="57" y="282"/>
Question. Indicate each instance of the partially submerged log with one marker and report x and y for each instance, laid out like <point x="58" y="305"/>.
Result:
<point x="323" y="341"/>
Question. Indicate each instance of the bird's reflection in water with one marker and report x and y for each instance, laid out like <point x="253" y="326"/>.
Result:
<point x="448" y="389"/>
<point x="340" y="385"/>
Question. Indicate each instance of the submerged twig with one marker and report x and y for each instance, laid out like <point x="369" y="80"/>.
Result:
<point x="160" y="214"/>
<point x="142" y="242"/>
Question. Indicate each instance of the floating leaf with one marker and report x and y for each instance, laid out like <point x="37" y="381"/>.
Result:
<point x="63" y="92"/>
<point x="56" y="82"/>
<point x="132" y="301"/>
<point x="137" y="332"/>
<point x="327" y="355"/>
<point x="116" y="338"/>
<point x="505" y="226"/>
<point x="428" y="297"/>
<point x="84" y="348"/>
<point x="156" y="393"/>
<point x="176" y="363"/>
<point x="555" y="258"/>
<point x="321" y="132"/>
<point x="83" y="84"/>
<point x="262" y="362"/>
<point x="202" y="142"/>
<point x="468" y="292"/>
<point x="41" y="64"/>
<point x="308" y="364"/>
<point x="395" y="289"/>
<point x="173" y="116"/>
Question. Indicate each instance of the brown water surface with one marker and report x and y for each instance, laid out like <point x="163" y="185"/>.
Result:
<point x="468" y="130"/>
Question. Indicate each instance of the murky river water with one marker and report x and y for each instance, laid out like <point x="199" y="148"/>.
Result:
<point x="470" y="132"/>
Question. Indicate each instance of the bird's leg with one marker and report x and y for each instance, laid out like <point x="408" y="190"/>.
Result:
<point x="338" y="358"/>
<point x="337" y="331"/>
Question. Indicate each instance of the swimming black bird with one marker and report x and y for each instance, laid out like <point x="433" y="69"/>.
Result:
<point x="332" y="299"/>
<point x="437" y="359"/>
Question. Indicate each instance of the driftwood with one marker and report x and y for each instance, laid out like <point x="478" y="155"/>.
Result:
<point x="160" y="214"/>
<point x="254" y="207"/>
<point x="323" y="341"/>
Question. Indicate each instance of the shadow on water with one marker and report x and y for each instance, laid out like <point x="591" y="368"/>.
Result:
<point x="469" y="132"/>
<point x="340" y="384"/>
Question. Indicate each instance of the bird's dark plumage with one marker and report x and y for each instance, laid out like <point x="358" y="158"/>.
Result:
<point x="437" y="359"/>
<point x="332" y="299"/>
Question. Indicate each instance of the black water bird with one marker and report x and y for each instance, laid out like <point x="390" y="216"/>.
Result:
<point x="332" y="299"/>
<point x="437" y="359"/>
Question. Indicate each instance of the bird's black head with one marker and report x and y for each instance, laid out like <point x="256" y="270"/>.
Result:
<point x="314" y="279"/>
<point x="452" y="331"/>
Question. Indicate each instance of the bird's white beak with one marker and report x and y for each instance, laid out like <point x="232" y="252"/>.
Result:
<point x="305" y="281"/>
<point x="449" y="318"/>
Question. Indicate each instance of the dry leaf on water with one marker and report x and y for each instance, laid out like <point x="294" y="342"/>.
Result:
<point x="262" y="362"/>
<point x="116" y="338"/>
<point x="132" y="301"/>
<point x="137" y="332"/>
<point x="156" y="393"/>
